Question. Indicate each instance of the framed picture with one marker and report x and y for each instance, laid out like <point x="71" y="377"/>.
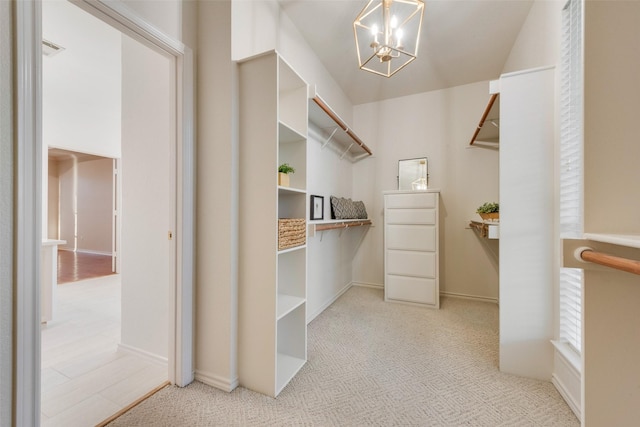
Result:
<point x="316" y="211"/>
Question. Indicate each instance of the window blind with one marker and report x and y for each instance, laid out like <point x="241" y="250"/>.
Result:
<point x="571" y="168"/>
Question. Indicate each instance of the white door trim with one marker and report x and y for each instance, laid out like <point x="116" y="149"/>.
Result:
<point x="28" y="207"/>
<point x="28" y="33"/>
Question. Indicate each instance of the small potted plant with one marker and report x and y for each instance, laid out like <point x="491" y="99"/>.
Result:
<point x="283" y="174"/>
<point x="489" y="211"/>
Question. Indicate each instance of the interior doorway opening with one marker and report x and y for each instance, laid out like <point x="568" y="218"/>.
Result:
<point x="109" y="340"/>
<point x="82" y="206"/>
<point x="28" y="95"/>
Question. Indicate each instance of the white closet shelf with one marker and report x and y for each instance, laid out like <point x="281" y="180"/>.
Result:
<point x="629" y="240"/>
<point x="335" y="129"/>
<point x="288" y="367"/>
<point x="288" y="135"/>
<point x="290" y="190"/>
<point x="293" y="249"/>
<point x="288" y="303"/>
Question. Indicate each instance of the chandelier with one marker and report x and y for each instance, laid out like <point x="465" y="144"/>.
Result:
<point x="387" y="33"/>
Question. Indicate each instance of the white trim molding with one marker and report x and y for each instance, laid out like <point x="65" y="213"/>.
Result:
<point x="469" y="297"/>
<point x="368" y="285"/>
<point x="224" y="384"/>
<point x="143" y="354"/>
<point x="326" y="305"/>
<point x="567" y="377"/>
<point x="28" y="206"/>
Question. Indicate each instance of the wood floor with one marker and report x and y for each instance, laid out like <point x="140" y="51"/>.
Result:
<point x="74" y="266"/>
<point x="85" y="378"/>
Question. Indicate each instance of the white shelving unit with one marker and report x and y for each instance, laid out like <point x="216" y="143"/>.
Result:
<point x="272" y="335"/>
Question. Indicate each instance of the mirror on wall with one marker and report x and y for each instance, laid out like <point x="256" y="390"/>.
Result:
<point x="413" y="174"/>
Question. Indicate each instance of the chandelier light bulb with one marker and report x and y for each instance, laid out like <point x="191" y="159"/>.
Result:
<point x="394" y="21"/>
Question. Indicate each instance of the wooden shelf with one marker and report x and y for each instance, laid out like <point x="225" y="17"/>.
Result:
<point x="338" y="224"/>
<point x="487" y="229"/>
<point x="335" y="130"/>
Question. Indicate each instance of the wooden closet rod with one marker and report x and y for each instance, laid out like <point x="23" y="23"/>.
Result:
<point x="619" y="263"/>
<point x="340" y="123"/>
<point x="484" y="117"/>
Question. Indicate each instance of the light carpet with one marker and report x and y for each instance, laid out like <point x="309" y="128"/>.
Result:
<point x="372" y="363"/>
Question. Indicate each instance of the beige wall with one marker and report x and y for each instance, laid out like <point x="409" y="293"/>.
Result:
<point x="538" y="43"/>
<point x="217" y="210"/>
<point x="612" y="179"/>
<point x="95" y="205"/>
<point x="438" y="125"/>
<point x="81" y="203"/>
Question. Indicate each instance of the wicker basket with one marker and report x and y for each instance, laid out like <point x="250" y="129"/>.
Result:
<point x="291" y="232"/>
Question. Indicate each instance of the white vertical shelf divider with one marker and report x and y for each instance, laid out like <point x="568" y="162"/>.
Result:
<point x="272" y="333"/>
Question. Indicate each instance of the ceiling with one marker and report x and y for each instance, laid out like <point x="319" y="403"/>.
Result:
<point x="462" y="41"/>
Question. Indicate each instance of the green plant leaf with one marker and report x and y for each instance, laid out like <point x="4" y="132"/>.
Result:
<point x="286" y="168"/>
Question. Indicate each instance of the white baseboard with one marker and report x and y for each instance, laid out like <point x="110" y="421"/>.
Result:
<point x="566" y="376"/>
<point x="566" y="395"/>
<point x="368" y="285"/>
<point x="469" y="297"/>
<point x="89" y="251"/>
<point x="328" y="303"/>
<point x="143" y="353"/>
<point x="224" y="384"/>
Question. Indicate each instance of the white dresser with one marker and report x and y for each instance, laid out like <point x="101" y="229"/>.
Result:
<point x="411" y="247"/>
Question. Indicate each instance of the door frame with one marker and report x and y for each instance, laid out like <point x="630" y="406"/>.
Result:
<point x="28" y="204"/>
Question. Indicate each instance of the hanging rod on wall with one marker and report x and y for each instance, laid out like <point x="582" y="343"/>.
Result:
<point x="485" y="114"/>
<point x="346" y="224"/>
<point x="329" y="112"/>
<point x="619" y="263"/>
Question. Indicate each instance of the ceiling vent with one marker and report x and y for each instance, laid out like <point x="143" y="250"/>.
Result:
<point x="50" y="48"/>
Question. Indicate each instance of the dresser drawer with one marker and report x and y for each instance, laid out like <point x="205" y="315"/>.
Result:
<point x="411" y="289"/>
<point x="410" y="216"/>
<point x="407" y="263"/>
<point x="413" y="200"/>
<point x="411" y="237"/>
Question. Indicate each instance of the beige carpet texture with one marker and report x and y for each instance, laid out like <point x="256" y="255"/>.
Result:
<point x="372" y="363"/>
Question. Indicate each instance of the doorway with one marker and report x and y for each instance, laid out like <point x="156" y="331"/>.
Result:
<point x="28" y="182"/>
<point x="105" y="93"/>
<point x="81" y="206"/>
